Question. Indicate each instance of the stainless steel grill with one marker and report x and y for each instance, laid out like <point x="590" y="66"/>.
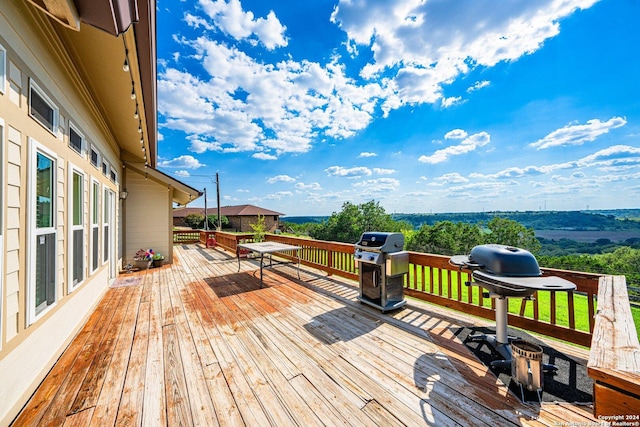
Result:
<point x="381" y="265"/>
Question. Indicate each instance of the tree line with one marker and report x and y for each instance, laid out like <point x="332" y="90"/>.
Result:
<point x="453" y="238"/>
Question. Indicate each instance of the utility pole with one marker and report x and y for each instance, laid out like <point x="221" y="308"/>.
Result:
<point x="218" y="200"/>
<point x="206" y="219"/>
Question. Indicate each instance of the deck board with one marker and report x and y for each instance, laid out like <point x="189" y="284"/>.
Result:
<point x="200" y="343"/>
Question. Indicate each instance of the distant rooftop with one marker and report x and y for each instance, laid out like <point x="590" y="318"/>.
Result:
<point x="240" y="210"/>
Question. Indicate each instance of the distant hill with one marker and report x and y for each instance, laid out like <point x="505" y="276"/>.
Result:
<point x="605" y="220"/>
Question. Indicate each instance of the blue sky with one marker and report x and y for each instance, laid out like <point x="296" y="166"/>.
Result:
<point x="422" y="105"/>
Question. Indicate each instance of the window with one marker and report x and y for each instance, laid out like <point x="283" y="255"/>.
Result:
<point x="3" y="69"/>
<point x="95" y="227"/>
<point x="76" y="139"/>
<point x="113" y="176"/>
<point x="105" y="168"/>
<point x="42" y="109"/>
<point x="42" y="228"/>
<point x="95" y="157"/>
<point x="76" y="227"/>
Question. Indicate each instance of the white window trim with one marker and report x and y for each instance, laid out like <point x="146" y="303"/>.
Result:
<point x="56" y="111"/>
<point x="75" y="170"/>
<point x="106" y="214"/>
<point x="83" y="143"/>
<point x="93" y="225"/>
<point x="3" y="70"/>
<point x="34" y="148"/>
<point x="2" y="222"/>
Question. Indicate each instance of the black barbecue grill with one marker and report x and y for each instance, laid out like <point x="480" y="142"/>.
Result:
<point x="381" y="264"/>
<point x="506" y="272"/>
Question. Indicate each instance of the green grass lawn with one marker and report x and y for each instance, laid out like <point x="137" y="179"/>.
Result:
<point x="581" y="307"/>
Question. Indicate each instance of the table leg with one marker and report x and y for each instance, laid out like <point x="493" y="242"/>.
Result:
<point x="238" y="255"/>
<point x="261" y="265"/>
<point x="298" y="254"/>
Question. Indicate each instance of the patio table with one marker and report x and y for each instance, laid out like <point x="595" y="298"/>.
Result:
<point x="268" y="248"/>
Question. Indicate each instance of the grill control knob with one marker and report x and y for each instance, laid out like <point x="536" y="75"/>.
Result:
<point x="371" y="258"/>
<point x="358" y="255"/>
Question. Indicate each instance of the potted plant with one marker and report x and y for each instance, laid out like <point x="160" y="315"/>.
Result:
<point x="158" y="260"/>
<point x="143" y="259"/>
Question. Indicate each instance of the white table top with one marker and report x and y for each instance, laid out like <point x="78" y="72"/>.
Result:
<point x="268" y="247"/>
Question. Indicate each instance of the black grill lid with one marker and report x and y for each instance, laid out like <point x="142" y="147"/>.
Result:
<point x="384" y="242"/>
<point x="509" y="271"/>
<point x="504" y="260"/>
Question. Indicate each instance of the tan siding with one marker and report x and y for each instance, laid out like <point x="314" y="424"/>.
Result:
<point x="13" y="233"/>
<point x="60" y="227"/>
<point x="148" y="217"/>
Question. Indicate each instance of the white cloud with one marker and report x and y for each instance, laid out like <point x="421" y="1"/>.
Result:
<point x="425" y="45"/>
<point x="367" y="154"/>
<point x="348" y="172"/>
<point x="451" y="178"/>
<point x="617" y="155"/>
<point x="453" y="100"/>
<point x="187" y="162"/>
<point x="233" y="20"/>
<point x="379" y="184"/>
<point x="196" y="21"/>
<point x="246" y="105"/>
<point x="199" y="146"/>
<point x="515" y="172"/>
<point x="182" y="173"/>
<point x="264" y="156"/>
<point x="478" y="85"/>
<point x="313" y="186"/>
<point x="576" y="134"/>
<point x="279" y="195"/>
<point x="455" y="134"/>
<point x="280" y="178"/>
<point x="611" y="157"/>
<point x="467" y="145"/>
<point x="381" y="171"/>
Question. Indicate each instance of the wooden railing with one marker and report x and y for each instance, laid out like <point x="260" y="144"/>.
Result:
<point x="186" y="236"/>
<point x="568" y="316"/>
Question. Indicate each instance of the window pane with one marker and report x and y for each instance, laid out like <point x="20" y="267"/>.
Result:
<point x="44" y="192"/>
<point x="94" y="157"/>
<point x="95" y="248"/>
<point x="75" y="140"/>
<point x="45" y="271"/>
<point x="41" y="110"/>
<point x="77" y="199"/>
<point x="96" y="197"/>
<point x="105" y="241"/>
<point x="78" y="256"/>
<point x="105" y="207"/>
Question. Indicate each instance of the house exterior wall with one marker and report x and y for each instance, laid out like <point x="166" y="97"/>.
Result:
<point x="243" y="223"/>
<point x="148" y="216"/>
<point x="30" y="344"/>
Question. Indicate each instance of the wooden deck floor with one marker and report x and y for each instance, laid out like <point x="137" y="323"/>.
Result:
<point x="198" y="343"/>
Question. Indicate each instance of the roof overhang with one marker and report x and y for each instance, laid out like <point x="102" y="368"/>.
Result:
<point x="182" y="193"/>
<point x="104" y="34"/>
<point x="112" y="16"/>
